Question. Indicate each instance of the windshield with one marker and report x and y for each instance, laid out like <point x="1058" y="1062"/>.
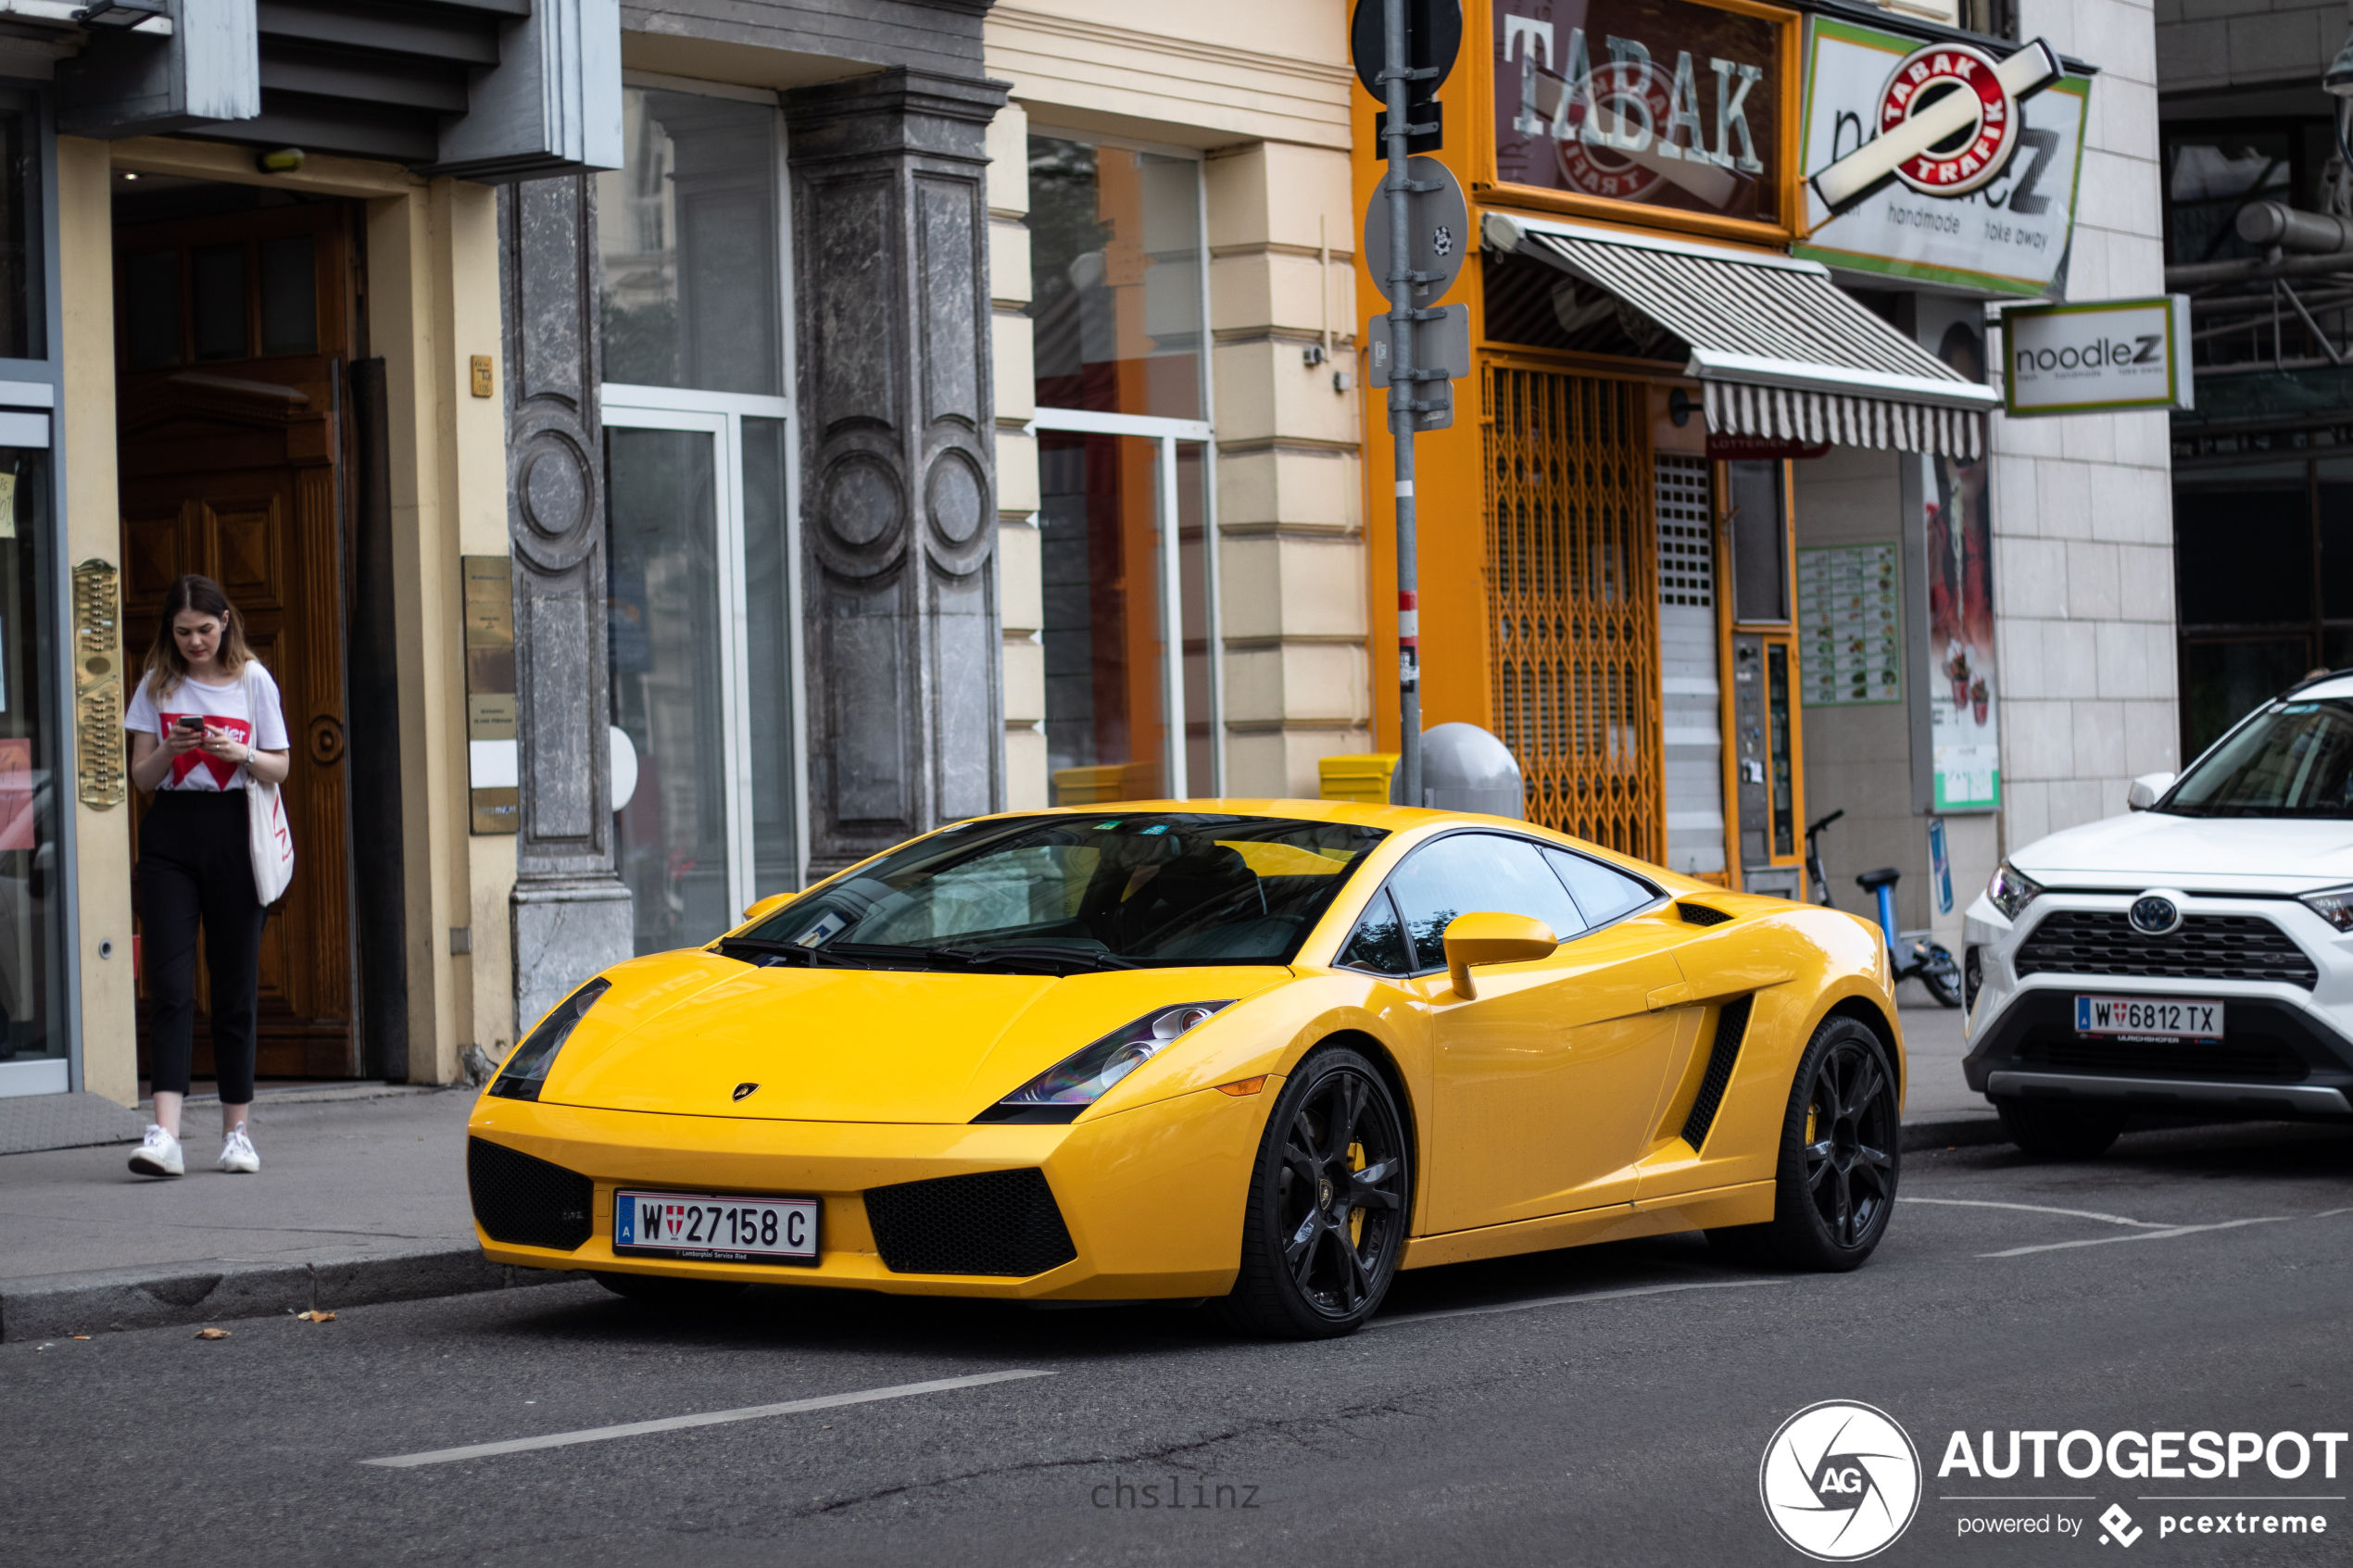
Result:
<point x="1060" y="894"/>
<point x="2290" y="760"/>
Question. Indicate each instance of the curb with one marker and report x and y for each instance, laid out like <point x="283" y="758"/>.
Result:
<point x="47" y="1305"/>
<point x="1952" y="1132"/>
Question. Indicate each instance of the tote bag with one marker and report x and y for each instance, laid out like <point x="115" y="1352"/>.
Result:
<point x="266" y="836"/>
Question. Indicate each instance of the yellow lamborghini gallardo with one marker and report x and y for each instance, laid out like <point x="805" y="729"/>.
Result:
<point x="1263" y="1053"/>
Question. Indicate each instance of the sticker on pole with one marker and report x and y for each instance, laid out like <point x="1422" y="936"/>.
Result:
<point x="1436" y="229"/>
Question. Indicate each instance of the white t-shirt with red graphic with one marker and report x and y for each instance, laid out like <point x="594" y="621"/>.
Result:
<point x="222" y="708"/>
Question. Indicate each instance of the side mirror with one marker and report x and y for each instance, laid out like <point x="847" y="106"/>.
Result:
<point x="1493" y="938"/>
<point x="768" y="906"/>
<point x="2145" y="790"/>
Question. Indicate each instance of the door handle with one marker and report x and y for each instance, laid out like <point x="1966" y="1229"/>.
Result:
<point x="1681" y="994"/>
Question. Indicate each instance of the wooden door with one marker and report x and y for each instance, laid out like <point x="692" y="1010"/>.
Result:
<point x="232" y="330"/>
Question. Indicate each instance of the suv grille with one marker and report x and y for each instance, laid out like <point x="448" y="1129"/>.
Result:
<point x="995" y="1223"/>
<point x="525" y="1201"/>
<point x="2205" y="948"/>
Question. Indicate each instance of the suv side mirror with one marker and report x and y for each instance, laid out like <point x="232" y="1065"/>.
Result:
<point x="1488" y="937"/>
<point x="2145" y="790"/>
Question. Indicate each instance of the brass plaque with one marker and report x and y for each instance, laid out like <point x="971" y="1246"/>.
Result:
<point x="490" y="716"/>
<point x="99" y="742"/>
<point x="490" y="623"/>
<point x="490" y="670"/>
<point x="482" y="375"/>
<point x="488" y="577"/>
<point x="497" y="810"/>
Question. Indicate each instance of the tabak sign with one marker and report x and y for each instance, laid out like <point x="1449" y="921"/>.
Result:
<point x="1661" y="102"/>
<point x="1939" y="160"/>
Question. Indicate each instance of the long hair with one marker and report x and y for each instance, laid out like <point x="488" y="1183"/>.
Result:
<point x="166" y="669"/>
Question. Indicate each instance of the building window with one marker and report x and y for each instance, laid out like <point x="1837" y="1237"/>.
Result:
<point x="2263" y="574"/>
<point x="1117" y="275"/>
<point x="702" y="601"/>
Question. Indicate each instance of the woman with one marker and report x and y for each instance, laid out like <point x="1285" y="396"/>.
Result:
<point x="206" y="718"/>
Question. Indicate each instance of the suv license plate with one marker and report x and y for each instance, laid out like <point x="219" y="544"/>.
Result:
<point x="714" y="1228"/>
<point x="2160" y="1018"/>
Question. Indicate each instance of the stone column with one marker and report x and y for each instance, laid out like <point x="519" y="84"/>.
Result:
<point x="898" y="474"/>
<point x="571" y="914"/>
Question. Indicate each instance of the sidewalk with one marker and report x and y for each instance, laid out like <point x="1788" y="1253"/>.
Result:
<point x="362" y="1198"/>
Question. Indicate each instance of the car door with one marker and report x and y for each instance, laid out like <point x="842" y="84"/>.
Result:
<point x="1546" y="1082"/>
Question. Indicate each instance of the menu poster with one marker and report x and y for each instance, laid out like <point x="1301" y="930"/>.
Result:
<point x="1850" y="633"/>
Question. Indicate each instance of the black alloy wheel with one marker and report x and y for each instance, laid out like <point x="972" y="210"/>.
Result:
<point x="1330" y="1199"/>
<point x="1834" y="1189"/>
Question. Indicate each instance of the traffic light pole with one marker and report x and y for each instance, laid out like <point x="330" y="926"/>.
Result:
<point x="1397" y="82"/>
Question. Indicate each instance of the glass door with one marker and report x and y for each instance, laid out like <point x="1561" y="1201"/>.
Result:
<point x="704" y="647"/>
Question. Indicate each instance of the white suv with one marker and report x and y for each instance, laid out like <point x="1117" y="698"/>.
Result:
<point x="2193" y="956"/>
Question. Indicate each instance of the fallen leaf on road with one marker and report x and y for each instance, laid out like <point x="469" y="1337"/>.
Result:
<point x="212" y="1334"/>
<point x="316" y="1317"/>
<point x="81" y="1337"/>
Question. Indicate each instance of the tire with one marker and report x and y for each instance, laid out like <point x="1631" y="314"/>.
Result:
<point x="2049" y="1130"/>
<point x="1330" y="1194"/>
<point x="1941" y="978"/>
<point x="1834" y="1184"/>
<point x="662" y="1290"/>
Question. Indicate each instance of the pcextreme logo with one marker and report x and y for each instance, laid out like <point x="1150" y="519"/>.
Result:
<point x="1840" y="1481"/>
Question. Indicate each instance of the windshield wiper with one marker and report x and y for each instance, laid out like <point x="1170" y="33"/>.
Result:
<point x="786" y="954"/>
<point x="1030" y="957"/>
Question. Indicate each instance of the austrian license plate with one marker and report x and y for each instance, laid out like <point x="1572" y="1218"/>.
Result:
<point x="715" y="1228"/>
<point x="2162" y="1018"/>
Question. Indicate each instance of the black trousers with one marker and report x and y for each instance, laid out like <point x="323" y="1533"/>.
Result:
<point x="197" y="869"/>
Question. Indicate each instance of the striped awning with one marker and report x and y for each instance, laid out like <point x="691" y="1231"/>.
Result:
<point x="1779" y="349"/>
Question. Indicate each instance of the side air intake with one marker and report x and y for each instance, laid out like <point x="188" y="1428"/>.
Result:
<point x="1701" y="914"/>
<point x="1732" y="1023"/>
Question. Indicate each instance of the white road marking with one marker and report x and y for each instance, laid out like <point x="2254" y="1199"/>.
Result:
<point x="1571" y="1300"/>
<point x="2140" y="1236"/>
<point x="2043" y="1208"/>
<point x="708" y="1418"/>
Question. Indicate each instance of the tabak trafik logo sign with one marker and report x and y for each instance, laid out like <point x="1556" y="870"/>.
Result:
<point x="1665" y="103"/>
<point x="1947" y="122"/>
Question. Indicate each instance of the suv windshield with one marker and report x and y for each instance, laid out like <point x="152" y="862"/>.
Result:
<point x="2290" y="760"/>
<point x="1057" y="895"/>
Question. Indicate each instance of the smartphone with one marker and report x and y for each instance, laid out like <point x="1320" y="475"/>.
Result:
<point x="190" y="721"/>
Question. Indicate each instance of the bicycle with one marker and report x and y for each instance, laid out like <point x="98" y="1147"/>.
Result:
<point x="1927" y="962"/>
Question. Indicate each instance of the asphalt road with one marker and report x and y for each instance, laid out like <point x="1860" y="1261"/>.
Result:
<point x="1607" y="1405"/>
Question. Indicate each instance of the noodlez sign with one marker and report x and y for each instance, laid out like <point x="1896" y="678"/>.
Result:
<point x="1939" y="161"/>
<point x="2096" y="357"/>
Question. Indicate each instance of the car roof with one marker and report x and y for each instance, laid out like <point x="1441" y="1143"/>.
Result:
<point x="2336" y="684"/>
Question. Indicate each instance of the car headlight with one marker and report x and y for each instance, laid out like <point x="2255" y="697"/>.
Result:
<point x="2011" y="890"/>
<point x="1077" y="1081"/>
<point x="527" y="1068"/>
<point x="2333" y="905"/>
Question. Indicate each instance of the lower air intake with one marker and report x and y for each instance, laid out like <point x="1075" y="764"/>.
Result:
<point x="1732" y="1025"/>
<point x="528" y="1202"/>
<point x="994" y="1222"/>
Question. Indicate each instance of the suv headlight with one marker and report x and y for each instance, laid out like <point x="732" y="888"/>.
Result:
<point x="1077" y="1081"/>
<point x="2011" y="890"/>
<point x="527" y="1068"/>
<point x="2333" y="905"/>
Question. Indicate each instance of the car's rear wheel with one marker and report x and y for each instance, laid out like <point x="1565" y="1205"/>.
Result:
<point x="2051" y="1130"/>
<point x="1329" y="1197"/>
<point x="662" y="1290"/>
<point x="1834" y="1184"/>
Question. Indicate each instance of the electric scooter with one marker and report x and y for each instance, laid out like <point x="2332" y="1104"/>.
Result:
<point x="1927" y="962"/>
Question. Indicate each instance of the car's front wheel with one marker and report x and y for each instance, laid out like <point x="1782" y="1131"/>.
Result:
<point x="1330" y="1199"/>
<point x="1834" y="1184"/>
<point x="2050" y="1130"/>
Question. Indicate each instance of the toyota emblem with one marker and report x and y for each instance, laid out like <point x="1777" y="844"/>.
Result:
<point x="2153" y="914"/>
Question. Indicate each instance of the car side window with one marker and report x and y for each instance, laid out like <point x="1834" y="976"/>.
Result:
<point x="1468" y="872"/>
<point x="1603" y="892"/>
<point x="1378" y="942"/>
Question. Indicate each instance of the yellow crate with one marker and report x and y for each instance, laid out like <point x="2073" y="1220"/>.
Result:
<point x="1363" y="778"/>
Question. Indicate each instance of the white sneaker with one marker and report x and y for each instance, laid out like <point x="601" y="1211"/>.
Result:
<point x="159" y="1156"/>
<point x="237" y="1155"/>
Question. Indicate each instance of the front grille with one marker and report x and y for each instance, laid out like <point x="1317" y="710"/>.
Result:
<point x="2240" y="1057"/>
<point x="994" y="1222"/>
<point x="525" y="1201"/>
<point x="2204" y="948"/>
<point x="1732" y="1025"/>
